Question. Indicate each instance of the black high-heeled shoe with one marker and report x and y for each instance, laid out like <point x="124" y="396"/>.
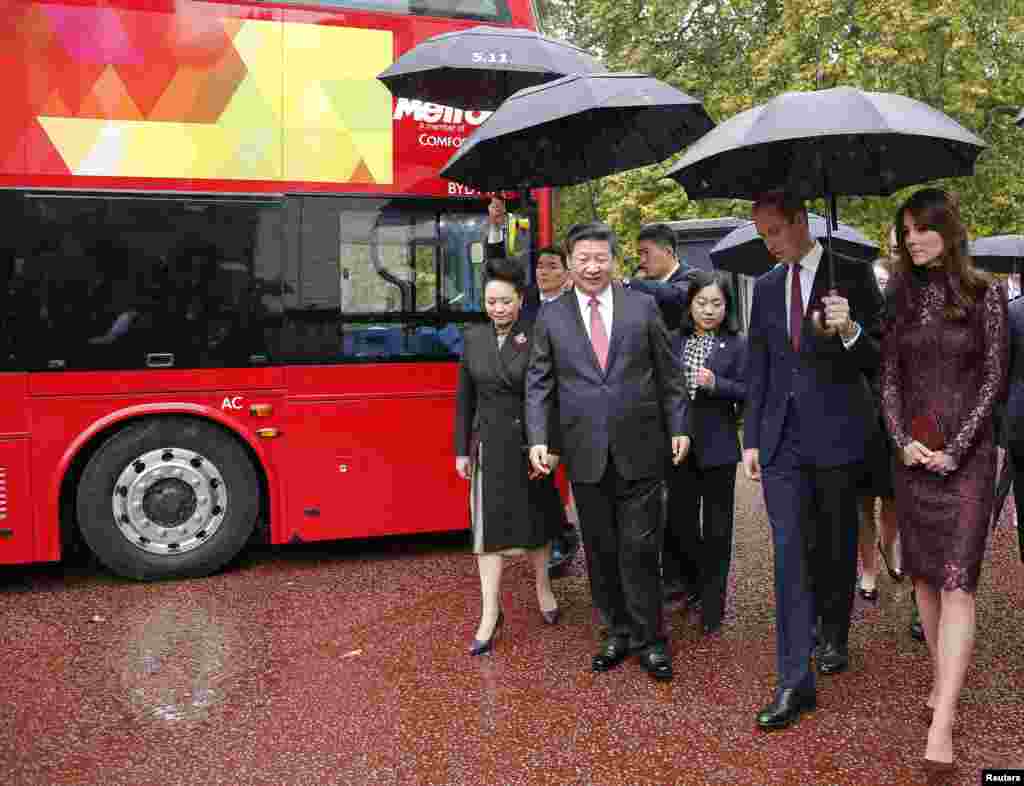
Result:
<point x="483" y="647"/>
<point x="895" y="575"/>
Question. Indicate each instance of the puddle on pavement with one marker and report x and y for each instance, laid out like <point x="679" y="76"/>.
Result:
<point x="177" y="662"/>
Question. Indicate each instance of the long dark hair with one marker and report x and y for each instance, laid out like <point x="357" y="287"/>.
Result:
<point x="938" y="210"/>
<point x="707" y="278"/>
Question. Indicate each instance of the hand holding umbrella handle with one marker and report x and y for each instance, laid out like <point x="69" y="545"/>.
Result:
<point x="818" y="319"/>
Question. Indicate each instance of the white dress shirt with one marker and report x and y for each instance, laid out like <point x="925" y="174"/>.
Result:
<point x="495" y="234"/>
<point x="808" y="270"/>
<point x="604" y="300"/>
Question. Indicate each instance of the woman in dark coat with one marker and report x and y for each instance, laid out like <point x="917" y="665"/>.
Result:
<point x="512" y="511"/>
<point x="713" y="358"/>
<point x="944" y="366"/>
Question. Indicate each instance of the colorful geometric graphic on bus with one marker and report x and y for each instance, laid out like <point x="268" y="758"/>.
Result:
<point x="190" y="94"/>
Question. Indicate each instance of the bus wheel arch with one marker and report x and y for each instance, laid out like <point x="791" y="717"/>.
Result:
<point x="166" y="496"/>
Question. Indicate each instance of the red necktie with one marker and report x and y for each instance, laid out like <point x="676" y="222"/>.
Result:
<point x="796" y="308"/>
<point x="598" y="335"/>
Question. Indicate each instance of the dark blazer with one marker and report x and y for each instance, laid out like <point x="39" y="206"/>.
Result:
<point x="714" y="415"/>
<point x="670" y="295"/>
<point x="489" y="409"/>
<point x="629" y="410"/>
<point x="824" y="381"/>
<point x="1014" y="416"/>
<point x="531" y="304"/>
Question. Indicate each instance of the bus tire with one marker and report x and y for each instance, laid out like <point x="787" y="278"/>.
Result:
<point x="168" y="497"/>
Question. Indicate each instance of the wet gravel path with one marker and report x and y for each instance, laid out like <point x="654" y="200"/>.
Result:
<point x="346" y="663"/>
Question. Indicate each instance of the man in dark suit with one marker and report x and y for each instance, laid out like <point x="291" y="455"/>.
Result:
<point x="810" y="417"/>
<point x="661" y="274"/>
<point x="1014" y="417"/>
<point x="602" y="359"/>
<point x="552" y="276"/>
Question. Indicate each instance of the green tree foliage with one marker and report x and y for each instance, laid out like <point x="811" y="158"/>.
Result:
<point x="964" y="57"/>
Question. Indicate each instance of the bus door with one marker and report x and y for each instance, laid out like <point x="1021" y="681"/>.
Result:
<point x="377" y="293"/>
<point x="16" y="539"/>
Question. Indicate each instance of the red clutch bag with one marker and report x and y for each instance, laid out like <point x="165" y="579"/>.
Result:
<point x="925" y="429"/>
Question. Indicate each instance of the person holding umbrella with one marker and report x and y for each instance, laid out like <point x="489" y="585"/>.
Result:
<point x="661" y="273"/>
<point x="1014" y="417"/>
<point x="810" y="418"/>
<point x="944" y="364"/>
<point x="879" y="540"/>
<point x="603" y="361"/>
<point x="666" y="278"/>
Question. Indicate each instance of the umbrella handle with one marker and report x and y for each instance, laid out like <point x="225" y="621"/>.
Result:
<point x="818" y="318"/>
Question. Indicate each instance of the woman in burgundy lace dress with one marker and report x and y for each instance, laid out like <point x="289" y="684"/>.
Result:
<point x="944" y="364"/>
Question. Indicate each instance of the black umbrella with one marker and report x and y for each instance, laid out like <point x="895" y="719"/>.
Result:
<point x="999" y="253"/>
<point x="825" y="143"/>
<point x="480" y="67"/>
<point x="743" y="250"/>
<point x="576" y="129"/>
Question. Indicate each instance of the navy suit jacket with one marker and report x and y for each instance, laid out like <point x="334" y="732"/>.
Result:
<point x="825" y="381"/>
<point x="531" y="303"/>
<point x="1014" y="417"/>
<point x="628" y="410"/>
<point x="713" y="416"/>
<point x="670" y="295"/>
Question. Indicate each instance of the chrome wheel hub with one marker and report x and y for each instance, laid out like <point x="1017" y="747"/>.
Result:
<point x="169" y="500"/>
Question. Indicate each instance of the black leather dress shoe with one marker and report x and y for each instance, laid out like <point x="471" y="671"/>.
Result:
<point x="832" y="659"/>
<point x="785" y="709"/>
<point x="611" y="654"/>
<point x="657" y="663"/>
<point x="674" y="591"/>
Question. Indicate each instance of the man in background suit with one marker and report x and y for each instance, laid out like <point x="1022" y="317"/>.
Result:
<point x="602" y="359"/>
<point x="1014" y="418"/>
<point x="661" y="274"/>
<point x="809" y="419"/>
<point x="666" y="278"/>
<point x="552" y="276"/>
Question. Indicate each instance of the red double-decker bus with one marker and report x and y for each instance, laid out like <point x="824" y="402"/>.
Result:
<point x="231" y="283"/>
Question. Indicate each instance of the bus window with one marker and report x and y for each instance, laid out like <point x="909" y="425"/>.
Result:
<point x="373" y="280"/>
<point x="111" y="282"/>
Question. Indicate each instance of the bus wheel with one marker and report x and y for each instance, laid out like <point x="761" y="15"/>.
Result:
<point x="168" y="497"/>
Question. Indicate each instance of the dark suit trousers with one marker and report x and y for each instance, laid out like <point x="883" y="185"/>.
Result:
<point x="622" y="522"/>
<point x="814" y="519"/>
<point x="1015" y="454"/>
<point x="698" y="543"/>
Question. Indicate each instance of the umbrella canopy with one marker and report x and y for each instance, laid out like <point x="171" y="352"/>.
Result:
<point x="576" y="129"/>
<point x="999" y="253"/>
<point x="480" y="67"/>
<point x="743" y="250"/>
<point x="828" y="142"/>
